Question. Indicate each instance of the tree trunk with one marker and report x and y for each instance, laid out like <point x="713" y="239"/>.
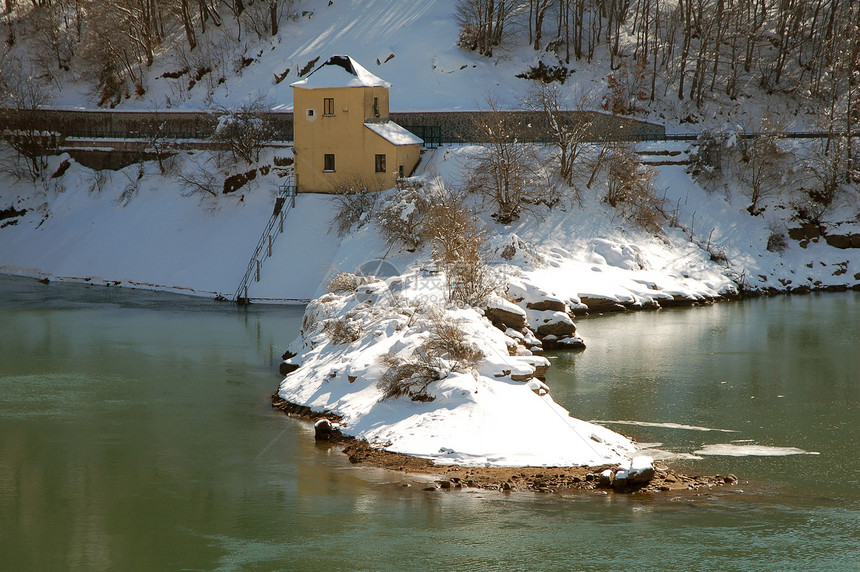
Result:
<point x="273" y="16"/>
<point x="188" y="24"/>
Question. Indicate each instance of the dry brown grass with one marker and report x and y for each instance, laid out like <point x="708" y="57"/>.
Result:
<point x="345" y="282"/>
<point x="407" y="378"/>
<point x="343" y="330"/>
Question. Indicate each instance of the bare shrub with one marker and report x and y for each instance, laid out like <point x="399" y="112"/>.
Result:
<point x="827" y="179"/>
<point x="343" y="330"/>
<point x="546" y="74"/>
<point x="238" y="180"/>
<point x="198" y="178"/>
<point x="459" y="243"/>
<point x="777" y="241"/>
<point x="627" y="88"/>
<point x="447" y="341"/>
<point x="98" y="181"/>
<point x="401" y="218"/>
<point x="133" y="177"/>
<point x="708" y="158"/>
<point x="356" y="206"/>
<point x="630" y="188"/>
<point x="444" y="349"/>
<point x="408" y="378"/>
<point x="344" y="282"/>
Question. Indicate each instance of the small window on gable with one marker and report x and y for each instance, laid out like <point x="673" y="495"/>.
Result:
<point x="328" y="106"/>
<point x="328" y="162"/>
<point x="310" y="112"/>
<point x="380" y="163"/>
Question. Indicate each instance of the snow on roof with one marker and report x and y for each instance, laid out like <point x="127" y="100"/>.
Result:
<point x="394" y="133"/>
<point x="340" y="71"/>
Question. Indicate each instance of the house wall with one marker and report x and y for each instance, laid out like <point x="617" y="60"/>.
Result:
<point x="408" y="156"/>
<point x="344" y="135"/>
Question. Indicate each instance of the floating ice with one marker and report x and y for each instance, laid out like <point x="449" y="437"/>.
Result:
<point x="665" y="425"/>
<point x="730" y="450"/>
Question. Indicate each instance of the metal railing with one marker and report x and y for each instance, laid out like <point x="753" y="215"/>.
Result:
<point x="284" y="202"/>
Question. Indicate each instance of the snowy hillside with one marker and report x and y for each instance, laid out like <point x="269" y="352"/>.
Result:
<point x="413" y="45"/>
<point x="410" y="44"/>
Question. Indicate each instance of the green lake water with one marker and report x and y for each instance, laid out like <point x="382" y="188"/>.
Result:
<point x="136" y="433"/>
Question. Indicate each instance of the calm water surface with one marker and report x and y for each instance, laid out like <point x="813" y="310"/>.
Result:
<point x="136" y="434"/>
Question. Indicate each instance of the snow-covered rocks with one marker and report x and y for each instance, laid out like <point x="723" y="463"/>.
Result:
<point x="637" y="471"/>
<point x="546" y="315"/>
<point x="504" y="313"/>
<point x="551" y="322"/>
<point x="325" y="430"/>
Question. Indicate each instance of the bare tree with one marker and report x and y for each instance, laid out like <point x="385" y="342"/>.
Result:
<point x="568" y="131"/>
<point x="265" y="16"/>
<point x="20" y="91"/>
<point x="57" y="27"/>
<point x="506" y="171"/>
<point x="483" y="22"/>
<point x="537" y="15"/>
<point x="759" y="164"/>
<point x="245" y="130"/>
<point x="159" y="141"/>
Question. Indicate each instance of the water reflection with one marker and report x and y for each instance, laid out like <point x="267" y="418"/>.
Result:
<point x="781" y="372"/>
<point x="136" y="433"/>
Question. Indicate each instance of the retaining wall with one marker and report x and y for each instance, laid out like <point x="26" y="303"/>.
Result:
<point x="455" y="126"/>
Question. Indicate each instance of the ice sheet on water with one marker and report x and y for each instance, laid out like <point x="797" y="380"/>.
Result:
<point x="730" y="450"/>
<point x="664" y="425"/>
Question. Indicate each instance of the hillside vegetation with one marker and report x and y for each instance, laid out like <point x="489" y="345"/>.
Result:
<point x="701" y="51"/>
<point x="723" y="68"/>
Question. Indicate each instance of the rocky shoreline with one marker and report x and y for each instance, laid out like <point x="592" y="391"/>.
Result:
<point x="605" y="478"/>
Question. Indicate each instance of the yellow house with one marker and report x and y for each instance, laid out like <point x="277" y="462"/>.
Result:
<point x="342" y="133"/>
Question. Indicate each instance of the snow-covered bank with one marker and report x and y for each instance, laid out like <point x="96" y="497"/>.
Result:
<point x="138" y="228"/>
<point x="357" y="344"/>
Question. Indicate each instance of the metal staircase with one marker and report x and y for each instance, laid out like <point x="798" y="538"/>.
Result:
<point x="284" y="202"/>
